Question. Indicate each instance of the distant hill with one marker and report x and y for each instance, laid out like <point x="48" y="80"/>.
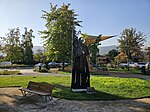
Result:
<point x="102" y="50"/>
<point x="105" y="49"/>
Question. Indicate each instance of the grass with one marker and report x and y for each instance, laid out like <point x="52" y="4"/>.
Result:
<point x="64" y="72"/>
<point x="60" y="71"/>
<point x="108" y="88"/>
<point x="148" y="72"/>
<point x="8" y="72"/>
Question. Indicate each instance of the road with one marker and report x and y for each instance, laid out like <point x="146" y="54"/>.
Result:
<point x="28" y="71"/>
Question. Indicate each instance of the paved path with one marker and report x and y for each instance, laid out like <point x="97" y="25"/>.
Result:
<point x="127" y="75"/>
<point x="30" y="72"/>
<point x="113" y="74"/>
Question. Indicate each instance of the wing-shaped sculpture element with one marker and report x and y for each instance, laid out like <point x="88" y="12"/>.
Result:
<point x="89" y="39"/>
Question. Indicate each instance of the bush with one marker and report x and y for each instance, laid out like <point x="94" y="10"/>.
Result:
<point x="43" y="70"/>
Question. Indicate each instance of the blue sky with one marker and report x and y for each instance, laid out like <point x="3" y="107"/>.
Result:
<point x="106" y="17"/>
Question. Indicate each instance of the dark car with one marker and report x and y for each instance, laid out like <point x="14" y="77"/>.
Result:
<point x="53" y="64"/>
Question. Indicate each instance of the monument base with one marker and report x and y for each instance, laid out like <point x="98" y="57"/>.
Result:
<point x="89" y="90"/>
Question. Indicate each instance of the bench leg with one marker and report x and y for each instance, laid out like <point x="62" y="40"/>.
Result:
<point x="50" y="97"/>
<point x="24" y="93"/>
<point x="45" y="97"/>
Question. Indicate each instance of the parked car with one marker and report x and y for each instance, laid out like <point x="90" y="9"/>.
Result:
<point x="40" y="64"/>
<point x="140" y="64"/>
<point x="65" y="64"/>
<point x="123" y="64"/>
<point x="130" y="64"/>
<point x="53" y="64"/>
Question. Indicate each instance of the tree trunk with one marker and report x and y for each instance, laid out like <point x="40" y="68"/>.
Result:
<point x="63" y="66"/>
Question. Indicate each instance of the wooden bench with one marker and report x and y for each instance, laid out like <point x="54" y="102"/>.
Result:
<point x="44" y="90"/>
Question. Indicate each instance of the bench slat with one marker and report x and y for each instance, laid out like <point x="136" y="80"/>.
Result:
<point x="36" y="92"/>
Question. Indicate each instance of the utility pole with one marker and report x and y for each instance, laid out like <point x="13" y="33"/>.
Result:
<point x="72" y="49"/>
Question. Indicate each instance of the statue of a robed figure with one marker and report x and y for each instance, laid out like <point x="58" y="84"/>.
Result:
<point x="80" y="68"/>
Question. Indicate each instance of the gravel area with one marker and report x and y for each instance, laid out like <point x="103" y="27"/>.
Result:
<point x="11" y="100"/>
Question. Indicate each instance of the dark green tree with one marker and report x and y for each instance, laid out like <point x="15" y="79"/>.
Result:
<point x="112" y="54"/>
<point x="60" y="28"/>
<point x="28" y="46"/>
<point x="131" y="43"/>
<point x="93" y="52"/>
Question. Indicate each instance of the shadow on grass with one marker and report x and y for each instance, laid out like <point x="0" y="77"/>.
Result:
<point x="64" y="92"/>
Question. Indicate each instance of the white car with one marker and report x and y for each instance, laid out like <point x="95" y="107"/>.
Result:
<point x="123" y="64"/>
<point x="130" y="64"/>
<point x="141" y="64"/>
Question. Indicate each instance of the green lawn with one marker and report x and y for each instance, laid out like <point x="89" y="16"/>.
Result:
<point x="108" y="88"/>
